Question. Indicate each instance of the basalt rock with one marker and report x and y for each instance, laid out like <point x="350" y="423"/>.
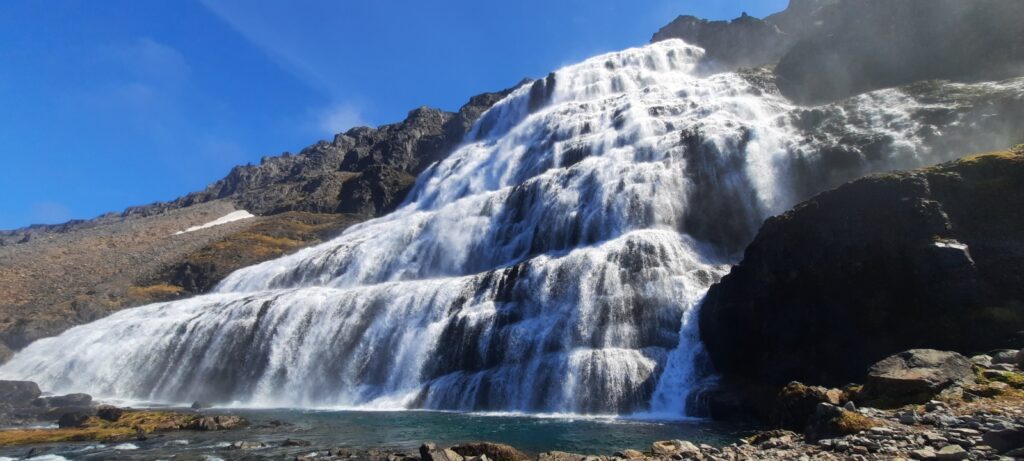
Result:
<point x="924" y="259"/>
<point x="825" y="50"/>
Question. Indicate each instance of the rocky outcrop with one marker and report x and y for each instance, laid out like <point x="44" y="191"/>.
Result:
<point x="825" y="50"/>
<point x="931" y="258"/>
<point x="364" y="171"/>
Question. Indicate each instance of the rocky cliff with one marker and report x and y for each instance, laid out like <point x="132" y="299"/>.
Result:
<point x="932" y="258"/>
<point x="825" y="50"/>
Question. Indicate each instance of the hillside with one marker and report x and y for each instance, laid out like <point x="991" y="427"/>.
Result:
<point x="57" y="276"/>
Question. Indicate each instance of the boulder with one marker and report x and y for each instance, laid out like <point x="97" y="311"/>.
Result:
<point x="558" y="456"/>
<point x="796" y="403"/>
<point x="982" y="360"/>
<point x="219" y="423"/>
<point x="73" y="419"/>
<point x="1004" y="440"/>
<point x="1007" y="356"/>
<point x="494" y="451"/>
<point x="18" y="393"/>
<point x="675" y="447"/>
<point x="629" y="453"/>
<point x="109" y="412"/>
<point x="248" y="445"/>
<point x="295" y="443"/>
<point x="830" y="421"/>
<point x="951" y="453"/>
<point x="199" y="405"/>
<point x="436" y="454"/>
<point x="917" y="375"/>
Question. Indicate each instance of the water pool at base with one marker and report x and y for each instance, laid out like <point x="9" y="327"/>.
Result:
<point x="396" y="430"/>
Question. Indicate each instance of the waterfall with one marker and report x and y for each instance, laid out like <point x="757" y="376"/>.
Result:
<point x="552" y="263"/>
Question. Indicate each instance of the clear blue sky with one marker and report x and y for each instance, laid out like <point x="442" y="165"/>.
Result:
<point x="107" y="104"/>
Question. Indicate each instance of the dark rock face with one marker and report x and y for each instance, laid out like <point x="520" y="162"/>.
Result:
<point x="826" y="50"/>
<point x="932" y="258"/>
<point x="917" y="375"/>
<point x="742" y="42"/>
<point x="868" y="44"/>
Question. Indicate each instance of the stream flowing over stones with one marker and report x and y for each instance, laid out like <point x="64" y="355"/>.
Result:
<point x="550" y="264"/>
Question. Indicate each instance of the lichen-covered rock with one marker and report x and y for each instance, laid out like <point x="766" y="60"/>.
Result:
<point x="917" y="375"/>
<point x="493" y="451"/>
<point x="675" y="447"/>
<point x="796" y="403"/>
<point x="831" y="421"/>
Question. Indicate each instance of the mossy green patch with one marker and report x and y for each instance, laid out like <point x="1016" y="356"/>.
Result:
<point x="129" y="425"/>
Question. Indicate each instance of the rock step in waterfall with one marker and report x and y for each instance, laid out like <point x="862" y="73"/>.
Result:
<point x="552" y="263"/>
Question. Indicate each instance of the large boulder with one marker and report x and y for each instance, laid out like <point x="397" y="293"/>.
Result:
<point x="18" y="393"/>
<point x="675" y="448"/>
<point x="917" y="375"/>
<point x="932" y="258"/>
<point x="493" y="451"/>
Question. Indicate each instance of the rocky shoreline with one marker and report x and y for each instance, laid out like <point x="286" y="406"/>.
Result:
<point x="920" y="404"/>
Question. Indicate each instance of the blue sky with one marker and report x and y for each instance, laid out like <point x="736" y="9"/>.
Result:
<point x="107" y="104"/>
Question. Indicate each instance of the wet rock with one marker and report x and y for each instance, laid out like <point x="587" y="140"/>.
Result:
<point x="199" y="405"/>
<point x="295" y="443"/>
<point x="917" y="375"/>
<point x="219" y="423"/>
<point x="675" y="447"/>
<point x="73" y="419"/>
<point x="18" y="392"/>
<point x="69" y="400"/>
<point x="109" y="412"/>
<point x="494" y="451"/>
<point x="248" y="445"/>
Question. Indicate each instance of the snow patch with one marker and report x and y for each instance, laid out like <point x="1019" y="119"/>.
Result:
<point x="230" y="217"/>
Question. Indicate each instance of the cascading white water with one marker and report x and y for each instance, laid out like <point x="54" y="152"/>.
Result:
<point x="550" y="264"/>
